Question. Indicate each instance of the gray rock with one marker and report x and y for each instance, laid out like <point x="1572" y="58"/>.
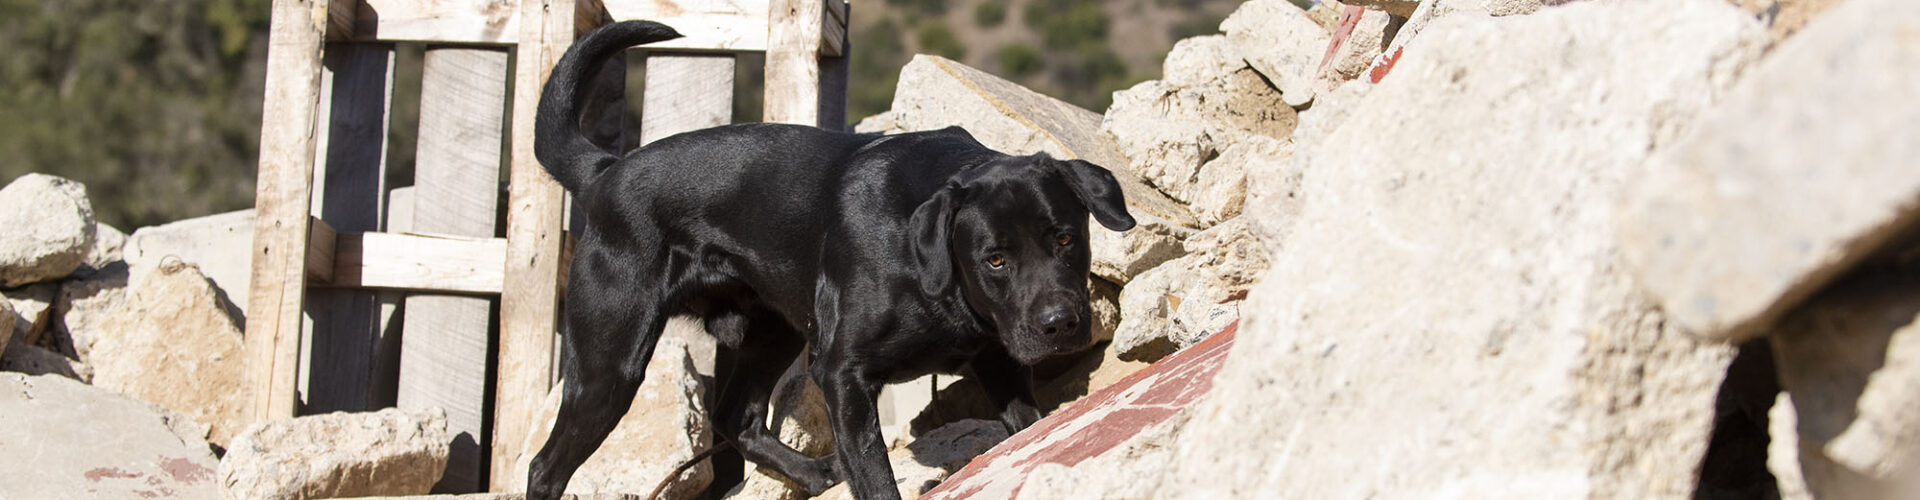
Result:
<point x="1103" y="298"/>
<point x="389" y="452"/>
<point x="33" y="307"/>
<point x="1191" y="298"/>
<point x="1447" y="316"/>
<point x="87" y="309"/>
<point x="35" y="360"/>
<point x="1168" y="131"/>
<point x="1806" y="171"/>
<point x="220" y="245"/>
<point x="1281" y="42"/>
<point x="666" y="425"/>
<point x="173" y="344"/>
<point x="1221" y="189"/>
<point x="1850" y="359"/>
<point x="1198" y="60"/>
<point x="1118" y="257"/>
<point x="71" y="441"/>
<point x="108" y="244"/>
<point x="49" y="226"/>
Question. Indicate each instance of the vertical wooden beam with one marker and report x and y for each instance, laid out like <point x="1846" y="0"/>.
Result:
<point x="797" y="39"/>
<point x="284" y="190"/>
<point x="444" y="341"/>
<point x="342" y="325"/>
<point x="686" y="92"/>
<point x="530" y="302"/>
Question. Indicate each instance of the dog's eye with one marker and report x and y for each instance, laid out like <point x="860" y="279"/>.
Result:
<point x="996" y="261"/>
<point x="1065" y="240"/>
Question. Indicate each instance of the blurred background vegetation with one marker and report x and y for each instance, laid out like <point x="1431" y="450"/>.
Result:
<point x="155" y="105"/>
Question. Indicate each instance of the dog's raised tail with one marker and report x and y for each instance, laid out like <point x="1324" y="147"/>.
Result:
<point x="557" y="141"/>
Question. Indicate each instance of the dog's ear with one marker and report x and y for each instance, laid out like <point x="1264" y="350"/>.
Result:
<point x="932" y="226"/>
<point x="1097" y="189"/>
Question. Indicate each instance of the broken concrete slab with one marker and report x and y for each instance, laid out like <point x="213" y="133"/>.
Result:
<point x="1798" y="176"/>
<point x="72" y="441"/>
<point x="220" y="245"/>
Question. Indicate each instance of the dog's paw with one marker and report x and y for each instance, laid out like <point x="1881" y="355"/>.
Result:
<point x="822" y="473"/>
<point x="1018" y="416"/>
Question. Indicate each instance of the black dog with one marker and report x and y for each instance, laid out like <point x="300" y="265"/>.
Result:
<point x="883" y="258"/>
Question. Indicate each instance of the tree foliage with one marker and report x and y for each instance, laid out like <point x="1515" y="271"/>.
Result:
<point x="154" y="105"/>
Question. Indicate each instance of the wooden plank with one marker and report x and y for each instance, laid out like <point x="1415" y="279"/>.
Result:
<point x="794" y="63"/>
<point x="686" y="92"/>
<point x="489" y="22"/>
<point x="342" y="326"/>
<point x="457" y="181"/>
<point x="283" y="192"/>
<point x="732" y="26"/>
<point x="735" y="26"/>
<point x="415" y="262"/>
<point x="530" y="301"/>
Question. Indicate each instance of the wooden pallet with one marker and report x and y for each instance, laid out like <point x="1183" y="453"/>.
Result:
<point x="334" y="258"/>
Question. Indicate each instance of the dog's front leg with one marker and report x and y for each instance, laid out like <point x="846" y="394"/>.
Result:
<point x="857" y="441"/>
<point x="1009" y="385"/>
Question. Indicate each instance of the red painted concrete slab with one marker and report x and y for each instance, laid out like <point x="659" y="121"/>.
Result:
<point x="1104" y="420"/>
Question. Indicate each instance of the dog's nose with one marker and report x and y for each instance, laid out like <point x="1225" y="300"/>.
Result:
<point x="1059" y="321"/>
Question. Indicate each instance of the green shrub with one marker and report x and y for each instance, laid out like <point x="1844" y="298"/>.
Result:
<point x="934" y="38"/>
<point x="989" y="13"/>
<point x="1019" y="59"/>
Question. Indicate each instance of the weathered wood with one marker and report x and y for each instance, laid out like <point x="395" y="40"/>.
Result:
<point x="795" y="46"/>
<point x="530" y="301"/>
<point x="734" y="26"/>
<point x="413" y="262"/>
<point x="445" y="338"/>
<point x="686" y="92"/>
<point x="283" y="191"/>
<point x="708" y="25"/>
<point x="342" y="326"/>
<point x="486" y="22"/>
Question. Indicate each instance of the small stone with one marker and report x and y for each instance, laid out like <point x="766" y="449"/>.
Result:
<point x="33" y="305"/>
<point x="1197" y="60"/>
<point x="1282" y="42"/>
<point x="1118" y="257"/>
<point x="389" y="452"/>
<point x="49" y="229"/>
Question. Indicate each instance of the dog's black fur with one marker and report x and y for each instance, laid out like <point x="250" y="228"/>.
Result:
<point x="882" y="258"/>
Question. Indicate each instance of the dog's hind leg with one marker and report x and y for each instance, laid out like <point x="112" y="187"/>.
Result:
<point x="749" y="373"/>
<point x="611" y="330"/>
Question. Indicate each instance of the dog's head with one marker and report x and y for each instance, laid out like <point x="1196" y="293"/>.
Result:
<point x="1012" y="235"/>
